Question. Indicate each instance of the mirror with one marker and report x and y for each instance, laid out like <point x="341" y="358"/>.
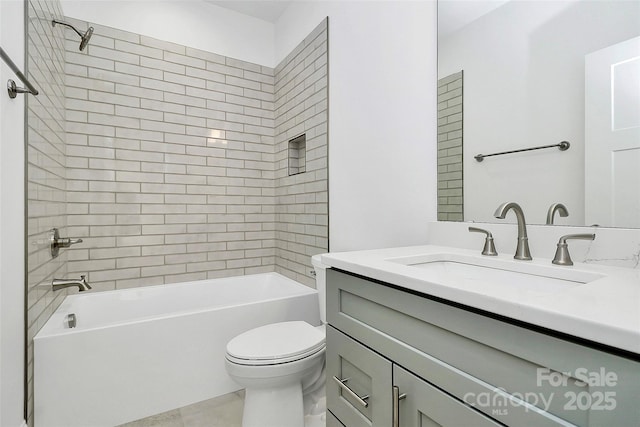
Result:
<point x="512" y="76"/>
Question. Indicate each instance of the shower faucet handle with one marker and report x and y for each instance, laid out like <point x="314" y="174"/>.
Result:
<point x="56" y="242"/>
<point x="489" y="248"/>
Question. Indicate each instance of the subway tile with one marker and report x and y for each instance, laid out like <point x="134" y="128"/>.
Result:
<point x="183" y="59"/>
<point x="88" y="83"/>
<point x="139" y="261"/>
<point x="162" y="65"/>
<point x="163" y="126"/>
<point x="184" y="80"/>
<point x="163" y="270"/>
<point x="139" y="155"/>
<point x="163" y="167"/>
<point x="184" y="119"/>
<point x="139" y="241"/>
<point x="114" y="99"/>
<point x="190" y="99"/>
<point x="208" y="56"/>
<point x="162" y="248"/>
<point x="157" y="106"/>
<point x="166" y="189"/>
<point x="138" y="198"/>
<point x="138" y="49"/>
<point x="144" y="177"/>
<point x="137" y="70"/>
<point x="205" y="75"/>
<point x="139" y="134"/>
<point x="138" y="113"/>
<point x="138" y="92"/>
<point x="162" y="45"/>
<point x="163" y="86"/>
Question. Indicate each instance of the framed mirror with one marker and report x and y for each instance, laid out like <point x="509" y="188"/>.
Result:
<point x="521" y="74"/>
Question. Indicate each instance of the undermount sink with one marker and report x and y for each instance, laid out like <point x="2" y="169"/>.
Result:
<point x="467" y="271"/>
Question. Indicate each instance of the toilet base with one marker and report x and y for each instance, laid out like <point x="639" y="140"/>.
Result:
<point x="273" y="407"/>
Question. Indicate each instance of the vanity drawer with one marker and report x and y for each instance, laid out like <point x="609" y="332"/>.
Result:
<point x="516" y="375"/>
<point x="366" y="374"/>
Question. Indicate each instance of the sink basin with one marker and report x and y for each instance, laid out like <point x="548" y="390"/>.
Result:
<point x="469" y="271"/>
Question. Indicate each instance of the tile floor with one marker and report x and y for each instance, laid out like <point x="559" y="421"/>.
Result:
<point x="222" y="411"/>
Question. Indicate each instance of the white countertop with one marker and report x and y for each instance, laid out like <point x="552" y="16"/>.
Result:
<point x="606" y="309"/>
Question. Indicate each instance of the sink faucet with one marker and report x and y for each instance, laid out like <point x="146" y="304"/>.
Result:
<point x="522" y="249"/>
<point x="82" y="284"/>
<point x="556" y="207"/>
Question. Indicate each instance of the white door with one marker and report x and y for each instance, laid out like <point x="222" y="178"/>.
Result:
<point x="612" y="135"/>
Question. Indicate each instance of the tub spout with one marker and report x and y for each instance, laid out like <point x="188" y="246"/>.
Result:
<point x="82" y="284"/>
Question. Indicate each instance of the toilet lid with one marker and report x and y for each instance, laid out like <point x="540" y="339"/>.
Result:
<point x="276" y="343"/>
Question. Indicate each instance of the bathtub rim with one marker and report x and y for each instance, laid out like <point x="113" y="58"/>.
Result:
<point x="48" y="331"/>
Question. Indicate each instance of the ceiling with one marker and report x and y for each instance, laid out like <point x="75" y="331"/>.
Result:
<point x="452" y="14"/>
<point x="264" y="9"/>
<point x="455" y="14"/>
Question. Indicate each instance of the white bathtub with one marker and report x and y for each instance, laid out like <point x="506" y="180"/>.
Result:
<point x="139" y="352"/>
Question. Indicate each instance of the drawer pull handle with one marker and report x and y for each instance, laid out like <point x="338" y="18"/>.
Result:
<point x="397" y="397"/>
<point x="361" y="400"/>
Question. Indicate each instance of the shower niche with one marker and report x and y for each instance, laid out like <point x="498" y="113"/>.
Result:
<point x="297" y="155"/>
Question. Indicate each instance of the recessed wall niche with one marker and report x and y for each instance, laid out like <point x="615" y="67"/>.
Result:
<point x="297" y="155"/>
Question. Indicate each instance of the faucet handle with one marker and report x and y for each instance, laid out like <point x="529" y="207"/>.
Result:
<point x="562" y="256"/>
<point x="489" y="247"/>
<point x="56" y="242"/>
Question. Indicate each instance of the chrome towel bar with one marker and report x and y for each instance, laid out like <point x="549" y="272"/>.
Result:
<point x="12" y="89"/>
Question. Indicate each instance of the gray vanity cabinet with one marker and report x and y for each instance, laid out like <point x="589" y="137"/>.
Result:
<point x="461" y="368"/>
<point x="373" y="377"/>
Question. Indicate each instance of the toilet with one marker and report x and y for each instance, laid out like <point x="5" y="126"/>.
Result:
<point x="281" y="367"/>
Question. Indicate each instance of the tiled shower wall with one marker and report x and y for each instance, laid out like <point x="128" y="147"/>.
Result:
<point x="302" y="200"/>
<point x="168" y="166"/>
<point x="171" y="164"/>
<point x="46" y="188"/>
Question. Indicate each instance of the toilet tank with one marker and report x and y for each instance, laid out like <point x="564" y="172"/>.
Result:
<point x="321" y="285"/>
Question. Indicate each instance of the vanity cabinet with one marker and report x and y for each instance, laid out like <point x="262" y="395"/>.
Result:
<point x="454" y="366"/>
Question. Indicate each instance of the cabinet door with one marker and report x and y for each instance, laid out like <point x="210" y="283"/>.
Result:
<point x="426" y="406"/>
<point x="333" y="421"/>
<point x="364" y="374"/>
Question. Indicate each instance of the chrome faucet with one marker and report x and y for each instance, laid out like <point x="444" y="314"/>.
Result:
<point x="82" y="284"/>
<point x="556" y="207"/>
<point x="522" y="249"/>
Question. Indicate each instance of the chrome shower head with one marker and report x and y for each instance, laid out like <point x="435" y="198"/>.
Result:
<point x="84" y="38"/>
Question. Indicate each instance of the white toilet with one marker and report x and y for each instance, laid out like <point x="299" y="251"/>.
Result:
<point x="281" y="366"/>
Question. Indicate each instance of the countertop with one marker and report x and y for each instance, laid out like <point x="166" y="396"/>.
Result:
<point x="605" y="310"/>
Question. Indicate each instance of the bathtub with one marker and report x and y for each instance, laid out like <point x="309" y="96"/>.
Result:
<point x="139" y="352"/>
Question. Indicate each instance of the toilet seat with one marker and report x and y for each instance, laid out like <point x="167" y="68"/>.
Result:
<point x="276" y="343"/>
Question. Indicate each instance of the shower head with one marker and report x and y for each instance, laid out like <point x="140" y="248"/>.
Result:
<point x="84" y="38"/>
